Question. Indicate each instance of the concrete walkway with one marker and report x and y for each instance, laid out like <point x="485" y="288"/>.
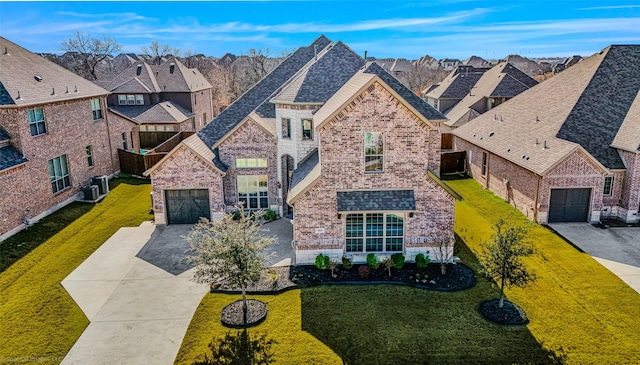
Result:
<point x="139" y="312"/>
<point x="617" y="249"/>
<point x="136" y="292"/>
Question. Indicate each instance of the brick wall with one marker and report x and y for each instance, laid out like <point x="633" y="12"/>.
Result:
<point x="249" y="141"/>
<point x="70" y="128"/>
<point x="184" y="170"/>
<point x="410" y="147"/>
<point x="203" y="106"/>
<point x="630" y="190"/>
<point x="117" y="126"/>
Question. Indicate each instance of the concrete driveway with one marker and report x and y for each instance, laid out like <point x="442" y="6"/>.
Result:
<point x="617" y="248"/>
<point x="137" y="293"/>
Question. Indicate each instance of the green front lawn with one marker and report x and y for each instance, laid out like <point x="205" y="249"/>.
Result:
<point x="578" y="309"/>
<point x="38" y="319"/>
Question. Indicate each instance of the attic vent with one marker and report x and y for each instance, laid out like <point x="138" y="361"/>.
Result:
<point x="508" y="149"/>
<point x="6" y="51"/>
<point x="172" y="67"/>
<point x="76" y="89"/>
<point x="53" y="91"/>
<point x="38" y="78"/>
<point x="545" y="145"/>
<point x="491" y="134"/>
<point x="537" y="119"/>
<point x="67" y="91"/>
<point x="139" y="70"/>
<point x="194" y="71"/>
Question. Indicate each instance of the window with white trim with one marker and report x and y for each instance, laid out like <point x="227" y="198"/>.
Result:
<point x="59" y="174"/>
<point x="608" y="185"/>
<point x="253" y="191"/>
<point x="373" y="152"/>
<point x="307" y="129"/>
<point x="286" y="128"/>
<point x="374" y="232"/>
<point x="137" y="99"/>
<point x="96" y="108"/>
<point x="249" y="163"/>
<point x="122" y="100"/>
<point x="36" y="122"/>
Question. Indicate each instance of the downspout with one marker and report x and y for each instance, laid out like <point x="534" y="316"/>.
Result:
<point x="535" y="204"/>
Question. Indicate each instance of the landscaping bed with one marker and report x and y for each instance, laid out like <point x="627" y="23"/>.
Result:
<point x="509" y="314"/>
<point x="278" y="279"/>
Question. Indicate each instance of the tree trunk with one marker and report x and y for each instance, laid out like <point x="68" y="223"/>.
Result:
<point x="244" y="305"/>
<point x="443" y="267"/>
<point x="501" y="293"/>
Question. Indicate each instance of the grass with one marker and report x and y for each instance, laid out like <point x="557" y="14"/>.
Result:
<point x="577" y="308"/>
<point x="283" y="325"/>
<point x="38" y="319"/>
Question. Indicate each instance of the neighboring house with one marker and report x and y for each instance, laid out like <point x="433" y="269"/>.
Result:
<point x="157" y="98"/>
<point x="567" y="149"/>
<point x="476" y="62"/>
<point x="54" y="136"/>
<point x="347" y="151"/>
<point x="449" y="63"/>
<point x="454" y="87"/>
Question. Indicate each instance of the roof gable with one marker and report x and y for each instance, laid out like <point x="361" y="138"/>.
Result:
<point x="604" y="104"/>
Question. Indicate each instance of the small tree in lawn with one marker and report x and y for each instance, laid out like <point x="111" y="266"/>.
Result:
<point x="231" y="251"/>
<point x="502" y="256"/>
<point x="443" y="252"/>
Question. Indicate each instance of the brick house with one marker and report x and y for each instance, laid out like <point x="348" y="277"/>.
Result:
<point x="340" y="147"/>
<point x="567" y="149"/>
<point x="54" y="136"/>
<point x="157" y="98"/>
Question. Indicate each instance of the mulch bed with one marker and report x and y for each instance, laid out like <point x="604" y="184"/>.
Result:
<point x="232" y="315"/>
<point x="279" y="279"/>
<point x="509" y="314"/>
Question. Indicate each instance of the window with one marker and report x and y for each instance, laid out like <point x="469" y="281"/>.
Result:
<point x="374" y="232"/>
<point x="253" y="191"/>
<point x="204" y="118"/>
<point x="248" y="163"/>
<point x="373" y="152"/>
<point x="484" y="163"/>
<point x="124" y="141"/>
<point x="131" y="99"/>
<point x="59" y="174"/>
<point x="96" y="109"/>
<point x="139" y="100"/>
<point x="122" y="100"/>
<point x="307" y="129"/>
<point x="286" y="128"/>
<point x="36" y="122"/>
<point x="89" y="156"/>
<point x="608" y="185"/>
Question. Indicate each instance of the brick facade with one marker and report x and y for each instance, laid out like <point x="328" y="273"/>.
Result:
<point x="120" y="127"/>
<point x="185" y="170"/>
<point x="410" y="149"/>
<point x="249" y="141"/>
<point x="69" y="129"/>
<point x="630" y="189"/>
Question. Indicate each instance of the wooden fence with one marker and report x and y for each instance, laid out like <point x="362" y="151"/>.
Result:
<point x="136" y="164"/>
<point x="150" y="140"/>
<point x="453" y="162"/>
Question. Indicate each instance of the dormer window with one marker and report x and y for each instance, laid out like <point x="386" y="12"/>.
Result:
<point x="137" y="99"/>
<point x="373" y="152"/>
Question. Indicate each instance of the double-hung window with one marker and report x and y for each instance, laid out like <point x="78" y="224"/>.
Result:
<point x="307" y="129"/>
<point x="253" y="191"/>
<point x="96" y="109"/>
<point x="374" y="232"/>
<point x="249" y="163"/>
<point x="373" y="152"/>
<point x="36" y="121"/>
<point x="484" y="164"/>
<point x="286" y="128"/>
<point x="608" y="185"/>
<point x="59" y="173"/>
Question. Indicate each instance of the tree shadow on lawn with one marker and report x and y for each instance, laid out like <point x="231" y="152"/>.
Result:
<point x="389" y="324"/>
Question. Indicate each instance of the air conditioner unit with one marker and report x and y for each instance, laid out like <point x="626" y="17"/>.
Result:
<point x="90" y="192"/>
<point x="102" y="182"/>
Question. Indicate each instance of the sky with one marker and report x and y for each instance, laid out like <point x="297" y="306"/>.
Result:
<point x="389" y="28"/>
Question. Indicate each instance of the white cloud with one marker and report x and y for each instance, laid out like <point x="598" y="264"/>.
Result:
<point x="610" y="7"/>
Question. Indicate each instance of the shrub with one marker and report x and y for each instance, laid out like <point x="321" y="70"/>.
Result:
<point x="363" y="271"/>
<point x="346" y="263"/>
<point x="372" y="261"/>
<point x="422" y="261"/>
<point x="270" y="215"/>
<point x="322" y="261"/>
<point x="398" y="260"/>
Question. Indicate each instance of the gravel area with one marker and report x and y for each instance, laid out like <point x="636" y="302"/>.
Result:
<point x="509" y="314"/>
<point x="232" y="315"/>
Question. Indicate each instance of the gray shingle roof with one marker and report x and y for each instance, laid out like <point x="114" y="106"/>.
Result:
<point x="218" y="162"/>
<point x="30" y="79"/>
<point x="319" y="80"/>
<point x="596" y="118"/>
<point x="259" y="93"/>
<point x="183" y="79"/>
<point x="164" y="112"/>
<point x="304" y="168"/>
<point x="4" y="136"/>
<point x="409" y="96"/>
<point x="9" y="157"/>
<point x="375" y="200"/>
<point x="121" y="82"/>
<point x="458" y="83"/>
<point x="508" y="87"/>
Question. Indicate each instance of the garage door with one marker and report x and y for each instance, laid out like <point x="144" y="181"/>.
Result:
<point x="569" y="205"/>
<point x="187" y="206"/>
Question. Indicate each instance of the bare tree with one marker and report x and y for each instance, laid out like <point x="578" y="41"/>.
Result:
<point x="443" y="252"/>
<point x="89" y="52"/>
<point x="157" y="51"/>
<point x="421" y="77"/>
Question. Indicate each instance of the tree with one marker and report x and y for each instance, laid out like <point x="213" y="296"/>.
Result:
<point x="421" y="76"/>
<point x="89" y="52"/>
<point x="157" y="51"/>
<point x="240" y="349"/>
<point x="230" y="251"/>
<point x="502" y="256"/>
<point x="443" y="253"/>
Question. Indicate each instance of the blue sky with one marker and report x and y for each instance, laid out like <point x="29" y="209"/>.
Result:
<point x="410" y="29"/>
